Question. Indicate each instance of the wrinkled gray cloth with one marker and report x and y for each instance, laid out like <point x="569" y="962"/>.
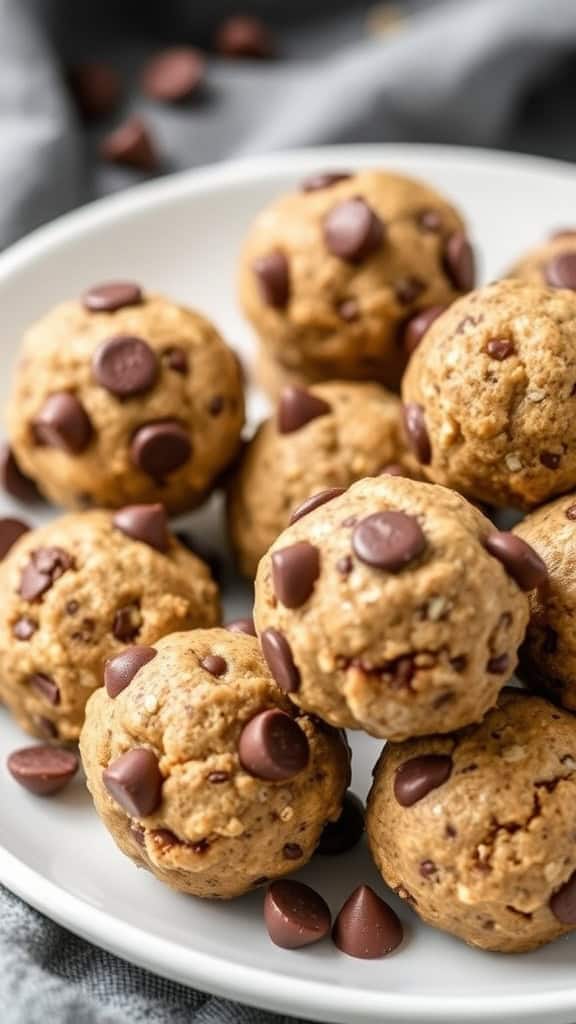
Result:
<point x="479" y="72"/>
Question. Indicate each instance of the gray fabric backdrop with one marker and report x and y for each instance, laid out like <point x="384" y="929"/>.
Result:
<point x="480" y="72"/>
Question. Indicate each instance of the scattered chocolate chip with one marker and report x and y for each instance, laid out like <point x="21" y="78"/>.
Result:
<point x="96" y="88"/>
<point x="324" y="179"/>
<point x="45" y="687"/>
<point x="570" y="512"/>
<point x="295" y="570"/>
<point x="417" y="777"/>
<point x="295" y="915"/>
<point x="120" y="670"/>
<point x="560" y="271"/>
<point x="145" y="523"/>
<point x="292" y="851"/>
<point x="427" y="868"/>
<point x="244" y="36"/>
<point x="134" y="781"/>
<point x="430" y="220"/>
<point x="214" y="664"/>
<point x="127" y="623"/>
<point x="315" y="501"/>
<point x="500" y="348"/>
<point x="415" y="328"/>
<point x="388" y="540"/>
<point x="125" y="366"/>
<point x="416" y="432"/>
<point x="498" y="664"/>
<point x="297" y="407"/>
<point x="218" y="778"/>
<point x="174" y="74"/>
<point x="24" y="628"/>
<point x="280" y="660"/>
<point x="344" y="565"/>
<point x="563" y="902"/>
<point x="550" y="459"/>
<point x="10" y="531"/>
<point x="46" y="565"/>
<point x="366" y="926"/>
<point x="176" y="359"/>
<point x="349" y="310"/>
<point x="407" y="289"/>
<point x="273" y="747"/>
<point x="341" y="835"/>
<point x="352" y="231"/>
<point x="131" y="144"/>
<point x="107" y="298"/>
<point x="459" y="261"/>
<point x="43" y="770"/>
<point x="13" y="480"/>
<point x="521" y="562"/>
<point x="273" y="275"/>
<point x="160" y="448"/>
<point x="242" y="626"/>
<point x="63" y="423"/>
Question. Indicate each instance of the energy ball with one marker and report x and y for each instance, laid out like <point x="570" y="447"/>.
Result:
<point x="203" y="771"/>
<point x="332" y="275"/>
<point x="552" y="263"/>
<point x="320" y="438"/>
<point x="76" y="592"/>
<point x="124" y="397"/>
<point x="490" y="395"/>
<point x="475" y="830"/>
<point x="395" y="608"/>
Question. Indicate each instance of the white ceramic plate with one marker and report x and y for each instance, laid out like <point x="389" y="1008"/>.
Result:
<point x="181" y="235"/>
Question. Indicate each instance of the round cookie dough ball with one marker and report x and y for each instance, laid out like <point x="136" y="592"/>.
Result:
<point x="476" y="829"/>
<point x="552" y="263"/>
<point x="320" y="438"/>
<point x="272" y="377"/>
<point x="77" y="591"/>
<point x="490" y="395"/>
<point x="203" y="772"/>
<point x="124" y="397"/>
<point x="394" y="608"/>
<point x="332" y="275"/>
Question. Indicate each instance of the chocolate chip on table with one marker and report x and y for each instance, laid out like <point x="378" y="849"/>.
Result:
<point x="63" y="423"/>
<point x="132" y="145"/>
<point x="243" y="36"/>
<point x="273" y="275"/>
<point x="520" y="561"/>
<point x="295" y="570"/>
<point x="352" y="231"/>
<point x="416" y="432"/>
<point x="366" y="927"/>
<point x="176" y="359"/>
<point x="498" y="665"/>
<point x="113" y="295"/>
<point x="280" y="660"/>
<point x="13" y="480"/>
<point x="388" y="540"/>
<point x="43" y="770"/>
<point x="273" y="747"/>
<point x="214" y="664"/>
<point x="560" y="271"/>
<point x="242" y="626"/>
<point x="45" y="686"/>
<point x="96" y="88"/>
<point x="10" y="531"/>
<point x="315" y="501"/>
<point x="45" y="566"/>
<point x="323" y="179"/>
<point x="563" y="902"/>
<point x="145" y="523"/>
<point x="417" y="777"/>
<point x="173" y="75"/>
<point x="342" y="835"/>
<point x="459" y="261"/>
<point x="24" y="628"/>
<point x="120" y="670"/>
<point x="134" y="781"/>
<point x="500" y="348"/>
<point x="297" y="407"/>
<point x="416" y="327"/>
<point x="160" y="448"/>
<point x="295" y="915"/>
<point x="125" y="366"/>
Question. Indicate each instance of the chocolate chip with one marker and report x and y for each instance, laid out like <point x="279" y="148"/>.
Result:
<point x="519" y="560"/>
<point x="292" y="851"/>
<point x="500" y="348"/>
<point x="459" y="261"/>
<point x="96" y="87"/>
<point x="120" y="670"/>
<point x="341" y="835"/>
<point x="273" y="747"/>
<point x="297" y="407"/>
<point x="127" y="623"/>
<point x="315" y="501"/>
<point x="407" y="289"/>
<point x="560" y="271"/>
<point x="570" y="512"/>
<point x="131" y="144"/>
<point x="10" y="531"/>
<point x="63" y="423"/>
<point x="13" y="480"/>
<point x="295" y="570"/>
<point x="216" y="405"/>
<point x="427" y="868"/>
<point x="107" y="298"/>
<point x="349" y="310"/>
<point x="430" y="220"/>
<point x="218" y="778"/>
<point x="160" y="448"/>
<point x="46" y="565"/>
<point x="145" y="523"/>
<point x="344" y="565"/>
<point x="324" y="179"/>
<point x="388" y="540"/>
<point x="416" y="327"/>
<point x="273" y="276"/>
<point x="45" y="687"/>
<point x="498" y="664"/>
<point x="244" y="36"/>
<point x="366" y="926"/>
<point x="176" y="359"/>
<point x="125" y="366"/>
<point x="416" y="432"/>
<point x="134" y="781"/>
<point x="352" y="231"/>
<point x="242" y="626"/>
<point x="43" y="770"/>
<point x="24" y="628"/>
<point x="280" y="660"/>
<point x="416" y="778"/>
<point x="45" y="727"/>
<point x="563" y="902"/>
<point x="214" y="664"/>
<point x="174" y="74"/>
<point x="295" y="915"/>
<point x="550" y="459"/>
<point x="137" y="833"/>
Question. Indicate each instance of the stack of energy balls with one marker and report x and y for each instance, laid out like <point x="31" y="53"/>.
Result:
<point x="386" y="598"/>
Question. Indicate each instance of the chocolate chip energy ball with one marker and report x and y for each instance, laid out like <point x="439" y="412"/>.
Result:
<point x="476" y="829"/>
<point x="552" y="263"/>
<point x="319" y="439"/>
<point x="395" y="608"/>
<point x="332" y="275"/>
<point x="76" y="592"/>
<point x="490" y="395"/>
<point x="124" y="397"/>
<point x="203" y="771"/>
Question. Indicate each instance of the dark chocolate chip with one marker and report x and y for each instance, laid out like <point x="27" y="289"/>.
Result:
<point x="295" y="570"/>
<point x="324" y="179"/>
<point x="216" y="405"/>
<point x="560" y="271"/>
<point x="344" y="565"/>
<point x="13" y="480"/>
<point x="45" y="726"/>
<point x="297" y="407"/>
<point x="498" y="664"/>
<point x="500" y="348"/>
<point x="341" y="835"/>
<point x="273" y="275"/>
<point x="131" y="144"/>
<point x="174" y="74"/>
<point x="107" y="298"/>
<point x="145" y="523"/>
<point x="459" y="261"/>
<point x="214" y="664"/>
<point x="218" y="778"/>
<point x="407" y="289"/>
<point x="24" y="628"/>
<point x="563" y="902"/>
<point x="46" y="565"/>
<point x="366" y="926"/>
<point x="570" y="512"/>
<point x="273" y="747"/>
<point x="63" y="423"/>
<point x="160" y="448"/>
<point x="243" y="36"/>
<point x="315" y="501"/>
<point x="388" y="540"/>
<point x="417" y="777"/>
<point x="352" y="231"/>
<point x="349" y="310"/>
<point x="45" y="687"/>
<point x="427" y="868"/>
<point x="10" y="531"/>
<point x="134" y="781"/>
<point x="295" y="915"/>
<point x="280" y="660"/>
<point x="415" y="328"/>
<point x="416" y="432"/>
<point x="550" y="459"/>
<point x="120" y="670"/>
<point x="127" y="623"/>
<point x="242" y="626"/>
<point x="430" y="220"/>
<point x="292" y="851"/>
<point x="125" y="366"/>
<point x="176" y="359"/>
<point x="43" y="770"/>
<point x="521" y="562"/>
<point x="96" y="88"/>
